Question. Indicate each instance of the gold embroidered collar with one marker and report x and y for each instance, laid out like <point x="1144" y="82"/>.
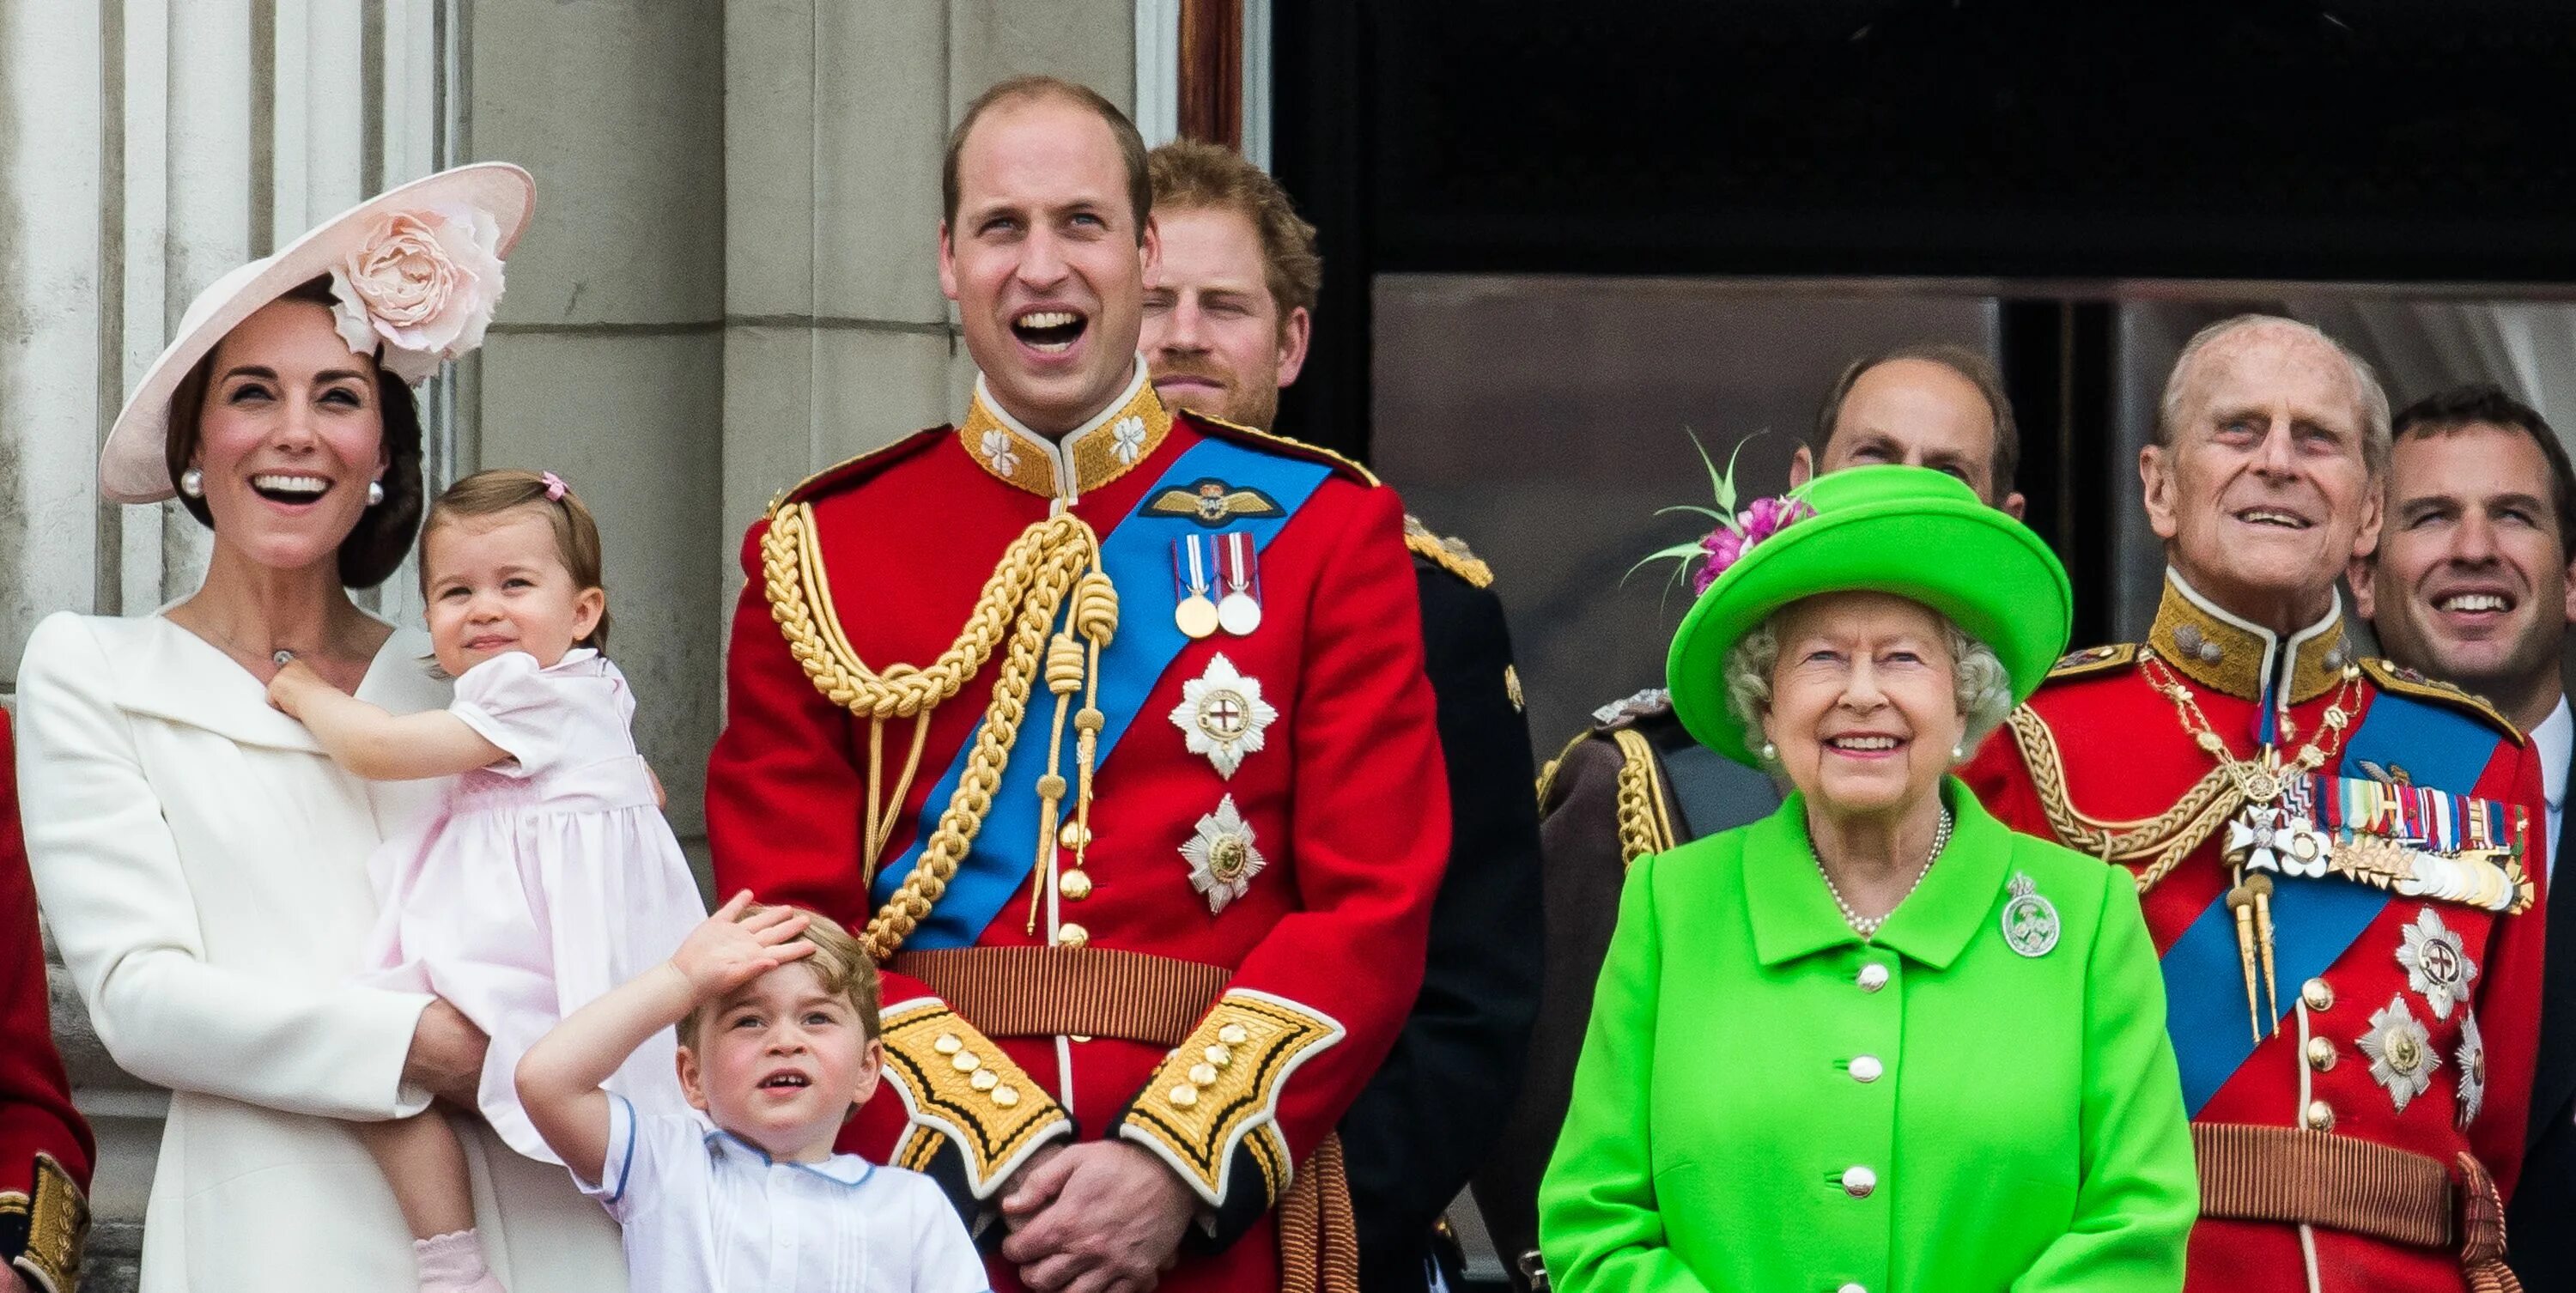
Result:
<point x="2221" y="651"/>
<point x="1088" y="457"/>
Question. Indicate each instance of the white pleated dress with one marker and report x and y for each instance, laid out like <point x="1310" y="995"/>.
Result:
<point x="543" y="881"/>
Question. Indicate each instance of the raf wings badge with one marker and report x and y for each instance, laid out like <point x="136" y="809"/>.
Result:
<point x="1212" y="502"/>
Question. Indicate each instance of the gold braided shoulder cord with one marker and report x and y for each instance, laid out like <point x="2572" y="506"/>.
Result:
<point x="2162" y="840"/>
<point x="1643" y="826"/>
<point x="1025" y="591"/>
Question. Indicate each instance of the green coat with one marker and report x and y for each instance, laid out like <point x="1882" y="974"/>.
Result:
<point x="2024" y="1127"/>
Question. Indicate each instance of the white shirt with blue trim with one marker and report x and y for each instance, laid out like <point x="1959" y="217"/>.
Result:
<point x="706" y="1211"/>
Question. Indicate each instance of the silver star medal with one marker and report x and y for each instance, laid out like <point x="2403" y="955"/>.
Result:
<point x="1222" y="857"/>
<point x="2473" y="1069"/>
<point x="1222" y="715"/>
<point x="2402" y="1058"/>
<point x="2029" y="921"/>
<point x="2437" y="967"/>
<point x="2266" y="838"/>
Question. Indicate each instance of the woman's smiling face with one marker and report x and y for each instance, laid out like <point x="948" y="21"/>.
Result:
<point x="1864" y="705"/>
<point x="289" y="435"/>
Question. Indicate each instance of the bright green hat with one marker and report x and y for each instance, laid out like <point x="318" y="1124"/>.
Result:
<point x="1910" y="531"/>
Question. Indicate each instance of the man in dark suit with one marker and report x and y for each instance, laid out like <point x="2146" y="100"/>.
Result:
<point x="1635" y="783"/>
<point x="1227" y="314"/>
<point x="2471" y="584"/>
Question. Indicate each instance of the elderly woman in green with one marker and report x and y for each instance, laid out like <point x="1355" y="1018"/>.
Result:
<point x="1875" y="1042"/>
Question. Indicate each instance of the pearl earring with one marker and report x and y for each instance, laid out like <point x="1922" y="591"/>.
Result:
<point x="1958" y="754"/>
<point x="1770" y="752"/>
<point x="375" y="492"/>
<point x="192" y="483"/>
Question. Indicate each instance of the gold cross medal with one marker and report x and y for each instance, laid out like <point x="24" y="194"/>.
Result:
<point x="1195" y="612"/>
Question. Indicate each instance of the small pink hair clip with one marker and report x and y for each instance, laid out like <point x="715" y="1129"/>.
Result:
<point x="555" y="488"/>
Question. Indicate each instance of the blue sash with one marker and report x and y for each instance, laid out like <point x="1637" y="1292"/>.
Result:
<point x="2314" y="921"/>
<point x="1137" y="556"/>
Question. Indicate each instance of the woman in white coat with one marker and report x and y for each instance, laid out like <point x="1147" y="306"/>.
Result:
<point x="202" y="862"/>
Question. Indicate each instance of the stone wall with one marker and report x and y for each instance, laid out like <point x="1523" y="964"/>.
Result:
<point x="730" y="283"/>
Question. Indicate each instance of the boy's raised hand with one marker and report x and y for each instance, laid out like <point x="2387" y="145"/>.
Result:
<point x="727" y="951"/>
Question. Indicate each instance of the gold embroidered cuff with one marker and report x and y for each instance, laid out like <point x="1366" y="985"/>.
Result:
<point x="57" y="1220"/>
<point x="1221" y="1090"/>
<point x="957" y="1085"/>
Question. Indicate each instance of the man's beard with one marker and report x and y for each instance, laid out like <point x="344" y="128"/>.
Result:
<point x="1251" y="404"/>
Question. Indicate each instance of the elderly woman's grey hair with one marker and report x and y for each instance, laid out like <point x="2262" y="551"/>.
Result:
<point x="1977" y="680"/>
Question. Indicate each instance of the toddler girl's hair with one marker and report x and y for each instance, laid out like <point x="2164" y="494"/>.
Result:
<point x="840" y="964"/>
<point x="493" y="493"/>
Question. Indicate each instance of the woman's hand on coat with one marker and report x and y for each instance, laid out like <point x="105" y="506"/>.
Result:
<point x="446" y="1054"/>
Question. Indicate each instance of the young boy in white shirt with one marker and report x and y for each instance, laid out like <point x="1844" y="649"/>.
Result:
<point x="777" y="1016"/>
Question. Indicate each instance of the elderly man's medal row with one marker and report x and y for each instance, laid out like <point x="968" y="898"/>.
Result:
<point x="2415" y="841"/>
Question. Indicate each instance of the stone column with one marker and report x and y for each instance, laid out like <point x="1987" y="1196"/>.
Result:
<point x="146" y="147"/>
<point x="606" y="363"/>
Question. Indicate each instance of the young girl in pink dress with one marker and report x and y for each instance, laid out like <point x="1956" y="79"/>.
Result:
<point x="548" y="876"/>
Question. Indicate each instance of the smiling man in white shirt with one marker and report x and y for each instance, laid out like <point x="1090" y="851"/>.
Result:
<point x="2472" y="584"/>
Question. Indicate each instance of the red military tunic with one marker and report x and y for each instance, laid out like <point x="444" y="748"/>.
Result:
<point x="2403" y="1022"/>
<point x="1215" y="975"/>
<point x="45" y="1147"/>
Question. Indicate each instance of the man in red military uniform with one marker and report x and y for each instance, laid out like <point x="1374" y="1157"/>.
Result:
<point x="1108" y="725"/>
<point x="2341" y="860"/>
<point x="45" y="1147"/>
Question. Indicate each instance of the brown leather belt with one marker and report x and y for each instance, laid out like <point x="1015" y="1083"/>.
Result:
<point x="1070" y="991"/>
<point x="2312" y="1178"/>
<point x="1158" y="1000"/>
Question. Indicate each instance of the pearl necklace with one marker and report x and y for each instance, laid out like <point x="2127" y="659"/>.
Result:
<point x="1867" y="926"/>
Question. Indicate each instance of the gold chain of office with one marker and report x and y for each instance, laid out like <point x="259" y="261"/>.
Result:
<point x="1054" y="560"/>
<point x="2162" y="841"/>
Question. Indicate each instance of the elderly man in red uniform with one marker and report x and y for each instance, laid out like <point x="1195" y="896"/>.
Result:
<point x="1107" y="724"/>
<point x="45" y="1147"/>
<point x="2341" y="861"/>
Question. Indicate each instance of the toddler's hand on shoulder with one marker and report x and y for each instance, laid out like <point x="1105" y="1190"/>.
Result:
<point x="293" y="683"/>
<point x="728" y="949"/>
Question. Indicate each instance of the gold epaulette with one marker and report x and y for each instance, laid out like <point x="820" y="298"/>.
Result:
<point x="1288" y="445"/>
<point x="855" y="468"/>
<point x="56" y="1218"/>
<point x="1643" y="823"/>
<point x="1449" y="554"/>
<point x="1220" y="1090"/>
<point x="2093" y="660"/>
<point x="1644" y="827"/>
<point x="958" y="1088"/>
<point x="1547" y="771"/>
<point x="2408" y="682"/>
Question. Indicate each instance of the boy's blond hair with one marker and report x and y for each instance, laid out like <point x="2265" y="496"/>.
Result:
<point x="843" y="967"/>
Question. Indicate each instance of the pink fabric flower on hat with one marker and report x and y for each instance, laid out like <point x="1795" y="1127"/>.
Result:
<point x="422" y="285"/>
<point x="1728" y="543"/>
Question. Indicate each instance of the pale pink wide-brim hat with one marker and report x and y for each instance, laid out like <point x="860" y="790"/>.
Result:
<point x="495" y="198"/>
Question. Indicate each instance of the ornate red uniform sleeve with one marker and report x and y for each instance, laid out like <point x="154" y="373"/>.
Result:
<point x="2509" y="994"/>
<point x="783" y="820"/>
<point x="45" y="1147"/>
<point x="2000" y="781"/>
<point x="1314" y="1007"/>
